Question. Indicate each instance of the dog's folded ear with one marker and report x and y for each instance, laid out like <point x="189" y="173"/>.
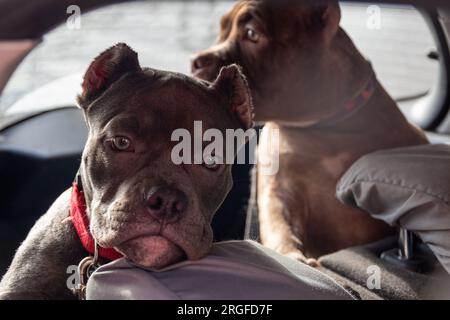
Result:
<point x="107" y="68"/>
<point x="232" y="83"/>
<point x="326" y="15"/>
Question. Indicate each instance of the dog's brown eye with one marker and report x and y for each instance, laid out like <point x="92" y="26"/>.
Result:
<point x="251" y="34"/>
<point x="121" y="144"/>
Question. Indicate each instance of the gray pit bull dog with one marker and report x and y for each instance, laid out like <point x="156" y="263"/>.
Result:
<point x="137" y="200"/>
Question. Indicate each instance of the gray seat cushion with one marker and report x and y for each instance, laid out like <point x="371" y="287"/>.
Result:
<point x="238" y="270"/>
<point x="405" y="187"/>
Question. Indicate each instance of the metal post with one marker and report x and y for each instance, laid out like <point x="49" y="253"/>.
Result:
<point x="405" y="240"/>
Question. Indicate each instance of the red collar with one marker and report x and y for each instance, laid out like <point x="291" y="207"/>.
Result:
<point x="80" y="221"/>
<point x="351" y="106"/>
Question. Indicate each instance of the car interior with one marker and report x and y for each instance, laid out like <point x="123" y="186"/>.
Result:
<point x="41" y="143"/>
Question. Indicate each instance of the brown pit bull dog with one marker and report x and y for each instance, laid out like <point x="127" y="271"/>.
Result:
<point x="136" y="200"/>
<point x="309" y="81"/>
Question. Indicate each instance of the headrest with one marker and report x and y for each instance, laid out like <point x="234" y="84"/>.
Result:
<point x="405" y="187"/>
<point x="234" y="270"/>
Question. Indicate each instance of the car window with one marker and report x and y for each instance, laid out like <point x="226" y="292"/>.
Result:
<point x="395" y="39"/>
<point x="165" y="34"/>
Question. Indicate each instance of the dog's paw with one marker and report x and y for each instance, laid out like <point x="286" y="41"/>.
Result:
<point x="297" y="255"/>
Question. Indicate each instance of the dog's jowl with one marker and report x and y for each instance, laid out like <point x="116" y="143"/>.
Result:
<point x="136" y="202"/>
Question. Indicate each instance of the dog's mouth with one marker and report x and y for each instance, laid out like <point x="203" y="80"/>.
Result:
<point x="152" y="243"/>
<point x="153" y="250"/>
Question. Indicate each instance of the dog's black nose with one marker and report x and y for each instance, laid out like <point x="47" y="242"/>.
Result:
<point x="166" y="203"/>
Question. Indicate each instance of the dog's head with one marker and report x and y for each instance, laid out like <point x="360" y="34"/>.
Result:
<point x="288" y="52"/>
<point x="138" y="200"/>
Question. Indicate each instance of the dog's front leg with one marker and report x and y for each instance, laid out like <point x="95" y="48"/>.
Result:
<point x="280" y="226"/>
<point x="39" y="268"/>
<point x="282" y="208"/>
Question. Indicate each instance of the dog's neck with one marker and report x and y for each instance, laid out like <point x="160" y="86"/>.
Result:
<point x="353" y="72"/>
<point x="346" y="75"/>
<point x="80" y="220"/>
<point x="347" y="66"/>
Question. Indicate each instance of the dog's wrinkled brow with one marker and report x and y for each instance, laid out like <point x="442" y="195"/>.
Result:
<point x="129" y="124"/>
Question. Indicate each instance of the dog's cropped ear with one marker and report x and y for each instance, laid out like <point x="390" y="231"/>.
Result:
<point x="232" y="83"/>
<point x="107" y="68"/>
<point x="329" y="16"/>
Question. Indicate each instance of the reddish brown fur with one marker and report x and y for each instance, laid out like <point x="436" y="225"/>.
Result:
<point x="303" y="68"/>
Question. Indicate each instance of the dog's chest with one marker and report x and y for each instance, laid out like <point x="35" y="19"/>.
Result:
<point x="316" y="156"/>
